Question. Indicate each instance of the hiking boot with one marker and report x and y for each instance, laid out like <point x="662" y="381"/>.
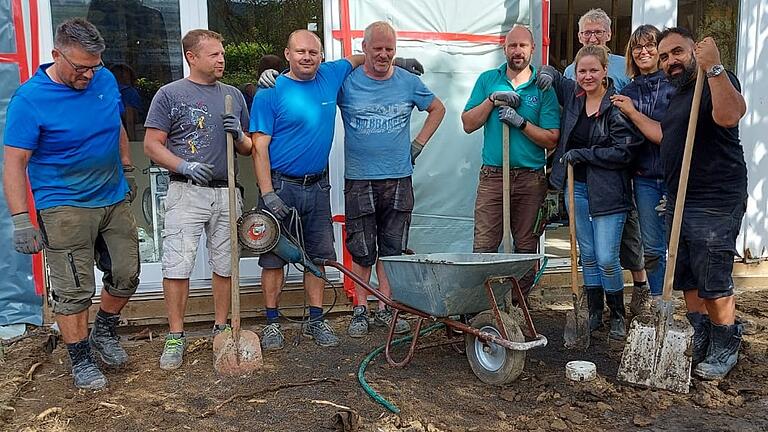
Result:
<point x="321" y="332"/>
<point x="84" y="370"/>
<point x="701" y="329"/>
<point x="220" y="328"/>
<point x="618" y="324"/>
<point x="641" y="301"/>
<point x="595" y="304"/>
<point x="383" y="318"/>
<point x="723" y="353"/>
<point x="173" y="351"/>
<point x="272" y="338"/>
<point x="105" y="341"/>
<point x="358" y="325"/>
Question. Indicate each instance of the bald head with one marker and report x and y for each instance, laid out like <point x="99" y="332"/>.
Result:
<point x="305" y="37"/>
<point x="518" y="32"/>
<point x="304" y="54"/>
<point x="518" y="47"/>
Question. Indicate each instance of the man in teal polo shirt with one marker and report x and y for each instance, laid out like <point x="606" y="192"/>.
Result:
<point x="533" y="117"/>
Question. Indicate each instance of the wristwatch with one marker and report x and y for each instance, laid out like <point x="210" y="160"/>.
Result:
<point x="524" y="124"/>
<point x="715" y="70"/>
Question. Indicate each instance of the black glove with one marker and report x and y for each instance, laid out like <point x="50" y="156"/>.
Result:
<point x="200" y="173"/>
<point x="507" y="98"/>
<point x="545" y="77"/>
<point x="574" y="156"/>
<point x="409" y="64"/>
<point x="276" y="205"/>
<point x="26" y="238"/>
<point x="232" y="125"/>
<point x="509" y="116"/>
<point x="130" y="177"/>
<point x="416" y="148"/>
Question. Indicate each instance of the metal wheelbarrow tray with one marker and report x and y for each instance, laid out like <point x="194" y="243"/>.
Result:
<point x="442" y="286"/>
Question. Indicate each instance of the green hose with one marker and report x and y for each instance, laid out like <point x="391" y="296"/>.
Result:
<point x="364" y="364"/>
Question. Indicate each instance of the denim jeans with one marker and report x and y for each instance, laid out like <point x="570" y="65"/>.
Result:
<point x="648" y="192"/>
<point x="599" y="241"/>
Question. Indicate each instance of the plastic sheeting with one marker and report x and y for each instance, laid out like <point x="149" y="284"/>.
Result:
<point x="446" y="174"/>
<point x="7" y="34"/>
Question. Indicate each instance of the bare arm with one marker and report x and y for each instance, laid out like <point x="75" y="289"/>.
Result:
<point x="261" y="164"/>
<point x="474" y="118"/>
<point x="245" y="145"/>
<point x="129" y="118"/>
<point x="125" y="147"/>
<point x="356" y="60"/>
<point x="435" y="115"/>
<point x="155" y="149"/>
<point x="545" y="138"/>
<point x="15" y="179"/>
<point x="728" y="106"/>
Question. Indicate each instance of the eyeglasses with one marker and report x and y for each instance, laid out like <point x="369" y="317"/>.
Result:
<point x="596" y="33"/>
<point x="83" y="69"/>
<point x="650" y="46"/>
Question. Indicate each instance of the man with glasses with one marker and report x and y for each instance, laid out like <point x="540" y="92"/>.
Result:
<point x="64" y="130"/>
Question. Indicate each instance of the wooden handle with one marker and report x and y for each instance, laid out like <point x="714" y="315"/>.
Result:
<point x="682" y="188"/>
<point x="506" y="187"/>
<point x="572" y="233"/>
<point x="234" y="247"/>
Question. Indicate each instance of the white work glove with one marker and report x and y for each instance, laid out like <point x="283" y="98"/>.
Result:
<point x="268" y="78"/>
<point x="200" y="173"/>
<point x="26" y="238"/>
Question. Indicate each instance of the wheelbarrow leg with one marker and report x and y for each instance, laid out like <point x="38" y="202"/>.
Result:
<point x="391" y="335"/>
<point x="495" y="307"/>
<point x="523" y="305"/>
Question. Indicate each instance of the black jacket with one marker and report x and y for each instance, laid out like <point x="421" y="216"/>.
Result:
<point x="614" y="143"/>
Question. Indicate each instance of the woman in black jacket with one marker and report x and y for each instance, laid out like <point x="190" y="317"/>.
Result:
<point x="599" y="142"/>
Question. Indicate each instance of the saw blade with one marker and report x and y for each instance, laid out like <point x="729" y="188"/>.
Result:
<point x="258" y="231"/>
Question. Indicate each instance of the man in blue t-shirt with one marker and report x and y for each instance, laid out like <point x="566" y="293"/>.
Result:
<point x="64" y="130"/>
<point x="292" y="125"/>
<point x="376" y="103"/>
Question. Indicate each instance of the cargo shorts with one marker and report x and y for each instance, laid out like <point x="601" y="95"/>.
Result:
<point x="74" y="238"/>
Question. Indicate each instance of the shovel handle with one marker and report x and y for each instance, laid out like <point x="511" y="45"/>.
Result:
<point x="682" y="188"/>
<point x="234" y="247"/>
<point x="572" y="233"/>
<point x="507" y="224"/>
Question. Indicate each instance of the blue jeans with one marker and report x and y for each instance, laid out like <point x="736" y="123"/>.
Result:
<point x="599" y="241"/>
<point x="648" y="192"/>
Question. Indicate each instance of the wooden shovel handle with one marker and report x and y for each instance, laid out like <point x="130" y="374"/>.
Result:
<point x="234" y="248"/>
<point x="506" y="223"/>
<point x="682" y="187"/>
<point x="572" y="233"/>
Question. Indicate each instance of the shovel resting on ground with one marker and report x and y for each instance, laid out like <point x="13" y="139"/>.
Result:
<point x="576" y="331"/>
<point x="657" y="352"/>
<point x="236" y="352"/>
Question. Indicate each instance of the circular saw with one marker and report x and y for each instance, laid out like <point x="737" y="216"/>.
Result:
<point x="258" y="231"/>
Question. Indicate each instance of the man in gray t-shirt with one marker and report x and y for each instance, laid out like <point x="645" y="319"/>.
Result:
<point x="186" y="134"/>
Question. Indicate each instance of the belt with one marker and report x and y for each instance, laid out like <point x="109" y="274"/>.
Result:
<point x="304" y="180"/>
<point x="494" y="168"/>
<point x="211" y="184"/>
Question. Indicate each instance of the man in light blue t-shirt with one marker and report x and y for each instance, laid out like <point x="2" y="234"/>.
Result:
<point x="376" y="103"/>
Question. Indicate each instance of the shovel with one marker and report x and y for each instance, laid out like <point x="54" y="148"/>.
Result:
<point x="238" y="352"/>
<point x="576" y="331"/>
<point x="657" y="353"/>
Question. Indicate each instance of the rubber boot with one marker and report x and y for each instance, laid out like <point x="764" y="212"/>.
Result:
<point x="723" y="353"/>
<point x="618" y="324"/>
<point x="105" y="341"/>
<point x="595" y="304"/>
<point x="701" y="329"/>
<point x="640" y="304"/>
<point x="84" y="370"/>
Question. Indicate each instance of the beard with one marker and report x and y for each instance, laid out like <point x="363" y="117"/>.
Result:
<point x="517" y="67"/>
<point x="681" y="79"/>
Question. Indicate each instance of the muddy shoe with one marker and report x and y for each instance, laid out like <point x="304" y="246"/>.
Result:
<point x="173" y="351"/>
<point x="383" y="318"/>
<point x="220" y="328"/>
<point x="723" y="353"/>
<point x="701" y="331"/>
<point x="641" y="301"/>
<point x="358" y="325"/>
<point x="321" y="332"/>
<point x="272" y="338"/>
<point x="105" y="341"/>
<point x="84" y="370"/>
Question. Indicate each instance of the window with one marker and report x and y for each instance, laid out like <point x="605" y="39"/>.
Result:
<point x="716" y="18"/>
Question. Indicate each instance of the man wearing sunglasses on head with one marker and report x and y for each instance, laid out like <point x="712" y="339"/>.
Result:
<point x="64" y="130"/>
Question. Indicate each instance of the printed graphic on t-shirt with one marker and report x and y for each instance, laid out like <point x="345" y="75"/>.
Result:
<point x="378" y="119"/>
<point x="194" y="120"/>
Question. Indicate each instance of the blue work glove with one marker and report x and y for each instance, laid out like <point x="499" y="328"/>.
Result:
<point x="574" y="156"/>
<point x="130" y="177"/>
<point x="232" y="125"/>
<point x="268" y="78"/>
<point x="26" y="238"/>
<point x="200" y="173"/>
<point x="416" y="148"/>
<point x="276" y="205"/>
<point x="409" y="64"/>
<point x="508" y="98"/>
<point x="545" y="77"/>
<point x="509" y="116"/>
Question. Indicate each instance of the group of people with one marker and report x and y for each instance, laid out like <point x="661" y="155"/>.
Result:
<point x="625" y="146"/>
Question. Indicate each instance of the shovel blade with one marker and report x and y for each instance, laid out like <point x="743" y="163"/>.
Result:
<point x="237" y="356"/>
<point x="576" y="331"/>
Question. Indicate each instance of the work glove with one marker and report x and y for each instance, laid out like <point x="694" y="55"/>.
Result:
<point x="232" y="125"/>
<point x="409" y="64"/>
<point x="545" y="77"/>
<point x="509" y="116"/>
<point x="416" y="148"/>
<point x="26" y="238"/>
<point x="662" y="207"/>
<point x="268" y="78"/>
<point x="276" y="205"/>
<point x="508" y="98"/>
<point x="130" y="177"/>
<point x="574" y="156"/>
<point x="200" y="173"/>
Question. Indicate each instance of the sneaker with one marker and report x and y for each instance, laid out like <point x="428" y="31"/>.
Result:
<point x="358" y="326"/>
<point x="272" y="338"/>
<point x="383" y="318"/>
<point x="84" y="370"/>
<point x="220" y="328"/>
<point x="321" y="332"/>
<point x="105" y="341"/>
<point x="173" y="352"/>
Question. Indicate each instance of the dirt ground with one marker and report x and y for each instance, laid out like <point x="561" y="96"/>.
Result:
<point x="302" y="388"/>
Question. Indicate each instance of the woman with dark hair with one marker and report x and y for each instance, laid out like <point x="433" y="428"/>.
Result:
<point x="644" y="101"/>
<point x="599" y="142"/>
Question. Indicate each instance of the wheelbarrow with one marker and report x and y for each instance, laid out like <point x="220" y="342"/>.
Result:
<point x="444" y="287"/>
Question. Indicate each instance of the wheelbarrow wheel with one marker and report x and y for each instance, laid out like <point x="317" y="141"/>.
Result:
<point x="492" y="363"/>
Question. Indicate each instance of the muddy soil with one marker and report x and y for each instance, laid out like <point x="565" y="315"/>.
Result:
<point x="308" y="388"/>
